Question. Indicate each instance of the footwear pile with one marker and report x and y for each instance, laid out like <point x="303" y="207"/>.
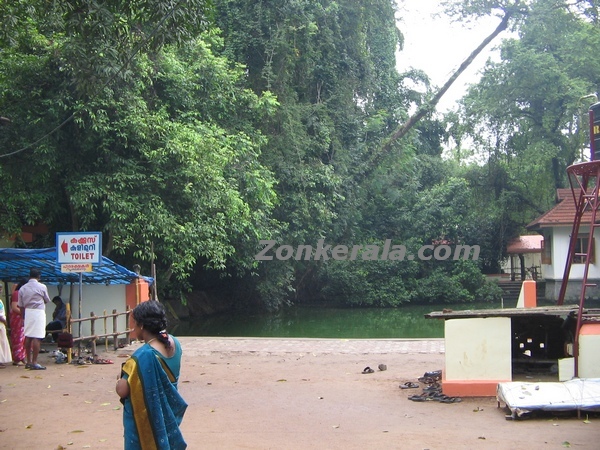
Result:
<point x="431" y="377"/>
<point x="432" y="390"/>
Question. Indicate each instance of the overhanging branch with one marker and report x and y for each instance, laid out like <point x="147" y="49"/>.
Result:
<point x="429" y="106"/>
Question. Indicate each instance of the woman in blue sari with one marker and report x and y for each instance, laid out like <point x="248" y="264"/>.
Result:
<point x="152" y="407"/>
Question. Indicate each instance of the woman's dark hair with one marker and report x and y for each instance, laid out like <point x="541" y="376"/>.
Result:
<point x="153" y="317"/>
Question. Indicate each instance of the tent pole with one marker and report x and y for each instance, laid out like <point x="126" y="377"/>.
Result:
<point x="80" y="295"/>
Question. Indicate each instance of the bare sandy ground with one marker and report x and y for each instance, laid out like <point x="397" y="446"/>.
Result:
<point x="275" y="399"/>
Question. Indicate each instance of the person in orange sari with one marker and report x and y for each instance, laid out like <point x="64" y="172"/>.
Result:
<point x="17" y="335"/>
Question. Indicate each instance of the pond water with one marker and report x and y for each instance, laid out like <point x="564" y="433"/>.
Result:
<point x="325" y="322"/>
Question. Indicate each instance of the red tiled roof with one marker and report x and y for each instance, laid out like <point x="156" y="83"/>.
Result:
<point x="525" y="244"/>
<point x="562" y="214"/>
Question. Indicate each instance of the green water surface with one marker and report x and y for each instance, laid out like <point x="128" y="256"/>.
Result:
<point x="325" y="322"/>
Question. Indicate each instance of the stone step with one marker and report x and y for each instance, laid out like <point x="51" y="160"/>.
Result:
<point x="512" y="289"/>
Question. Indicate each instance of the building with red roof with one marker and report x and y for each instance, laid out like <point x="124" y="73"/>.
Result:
<point x="555" y="227"/>
<point x="525" y="257"/>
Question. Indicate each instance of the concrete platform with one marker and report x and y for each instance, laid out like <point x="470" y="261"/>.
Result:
<point x="207" y="345"/>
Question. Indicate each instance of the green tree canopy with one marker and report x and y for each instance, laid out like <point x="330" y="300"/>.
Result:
<point x="163" y="161"/>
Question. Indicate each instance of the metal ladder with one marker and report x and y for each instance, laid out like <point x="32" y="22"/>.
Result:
<point x="584" y="179"/>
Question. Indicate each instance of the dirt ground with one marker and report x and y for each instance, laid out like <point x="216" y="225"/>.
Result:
<point x="275" y="399"/>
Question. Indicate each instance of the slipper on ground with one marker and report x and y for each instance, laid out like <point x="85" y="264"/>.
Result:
<point x="419" y="398"/>
<point x="435" y="387"/>
<point x="446" y="399"/>
<point x="102" y="361"/>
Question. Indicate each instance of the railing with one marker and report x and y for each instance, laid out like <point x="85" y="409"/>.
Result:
<point x="532" y="273"/>
<point x="93" y="337"/>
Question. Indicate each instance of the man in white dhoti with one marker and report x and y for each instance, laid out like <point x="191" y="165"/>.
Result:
<point x="33" y="297"/>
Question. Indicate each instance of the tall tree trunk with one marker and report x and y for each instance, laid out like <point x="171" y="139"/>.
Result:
<point x="429" y="106"/>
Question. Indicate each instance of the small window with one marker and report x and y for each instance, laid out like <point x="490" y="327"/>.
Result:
<point x="581" y="245"/>
<point x="546" y="250"/>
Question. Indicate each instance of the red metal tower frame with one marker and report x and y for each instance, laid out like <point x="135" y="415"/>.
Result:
<point x="584" y="179"/>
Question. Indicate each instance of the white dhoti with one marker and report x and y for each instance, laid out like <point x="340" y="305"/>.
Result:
<point x="34" y="324"/>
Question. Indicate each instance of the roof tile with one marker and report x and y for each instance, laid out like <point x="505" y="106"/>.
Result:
<point x="563" y="213"/>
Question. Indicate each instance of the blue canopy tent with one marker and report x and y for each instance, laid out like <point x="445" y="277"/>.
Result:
<point x="16" y="262"/>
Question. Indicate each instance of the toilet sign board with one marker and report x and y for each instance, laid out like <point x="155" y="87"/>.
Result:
<point x="79" y="249"/>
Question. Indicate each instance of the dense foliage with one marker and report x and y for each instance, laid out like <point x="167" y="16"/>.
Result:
<point x="162" y="156"/>
<point x="188" y="131"/>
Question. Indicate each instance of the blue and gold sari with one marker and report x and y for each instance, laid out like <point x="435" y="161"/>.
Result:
<point x="154" y="409"/>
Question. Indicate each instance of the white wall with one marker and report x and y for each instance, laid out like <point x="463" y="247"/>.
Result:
<point x="560" y="249"/>
<point x="478" y="349"/>
<point x="531" y="260"/>
<point x="95" y="298"/>
<point x="589" y="356"/>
